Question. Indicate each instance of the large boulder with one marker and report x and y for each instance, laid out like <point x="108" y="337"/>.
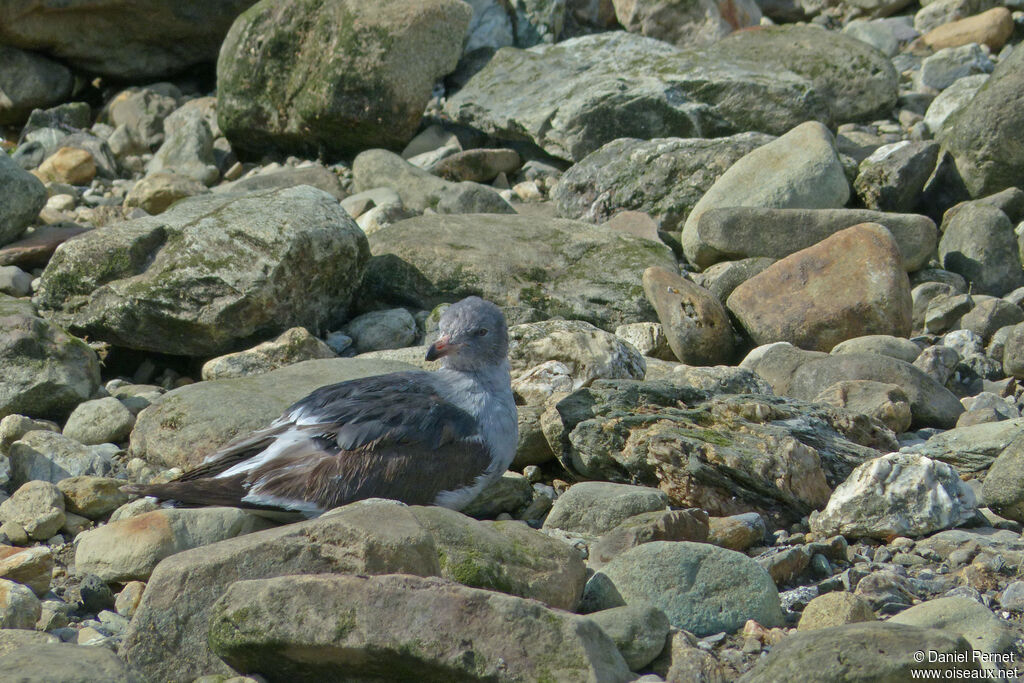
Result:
<point x="664" y="177"/>
<point x="858" y="82"/>
<point x="47" y="372"/>
<point x="868" y="651"/>
<point x="978" y="242"/>
<point x="848" y="285"/>
<point x="712" y="452"/>
<point x="800" y="170"/>
<point x="573" y="97"/>
<point x="210" y="273"/>
<point x="167" y="639"/>
<point x="975" y="448"/>
<point x="310" y="627"/>
<point x="739" y="232"/>
<point x="124" y="40"/>
<point x="556" y="267"/>
<point x="185" y="425"/>
<point x="66" y="663"/>
<point x="339" y="76"/>
<point x="983" y="134"/>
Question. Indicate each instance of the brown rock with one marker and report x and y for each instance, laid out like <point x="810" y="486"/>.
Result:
<point x="835" y="609"/>
<point x="67" y="165"/>
<point x="737" y="532"/>
<point x="887" y="403"/>
<point x="695" y="322"/>
<point x="992" y="28"/>
<point x="848" y="285"/>
<point x="92" y="497"/>
<point x="478" y="165"/>
<point x="37" y="248"/>
<point x="155" y="193"/>
<point x="32" y="567"/>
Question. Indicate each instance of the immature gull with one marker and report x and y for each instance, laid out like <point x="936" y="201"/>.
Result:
<point x="424" y="438"/>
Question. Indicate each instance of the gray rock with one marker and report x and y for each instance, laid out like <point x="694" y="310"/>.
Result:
<point x="575" y="96"/>
<point x="978" y="242"/>
<point x="30" y="81"/>
<point x="638" y="631"/>
<point x="701" y="588"/>
<point x="184" y="283"/>
<point x="137" y="42"/>
<point x="138" y="114"/>
<point x="38" y="508"/>
<point x="857" y="81"/>
<point x="861" y="651"/>
<point x="930" y="403"/>
<point x="167" y="639"/>
<point x="882" y="344"/>
<point x="129" y="549"/>
<point x="989" y="315"/>
<point x="185" y="425"/>
<point x="1013" y="352"/>
<point x="656" y="525"/>
<point x="19" y="607"/>
<point x="510" y="494"/>
<point x="256" y="625"/>
<point x="974" y="448"/>
<point x="102" y="420"/>
<point x="892" y="178"/>
<point x="22" y="198"/>
<point x="14" y="281"/>
<point x="899" y="494"/>
<point x="292" y="346"/>
<point x="315" y="175"/>
<point x="834" y="609"/>
<point x="557" y="267"/>
<point x="963" y="617"/>
<point x="1013" y="596"/>
<point x="798" y="170"/>
<point x="738" y="232"/>
<point x="67" y="663"/>
<point x="478" y="165"/>
<point x="595" y="507"/>
<point x="946" y="66"/>
<point x="187" y="149"/>
<point x="420" y="190"/>
<point x="157" y="192"/>
<point x="339" y="105"/>
<point x="648" y="338"/>
<point x="12" y="639"/>
<point x="532" y="447"/>
<point x="1004" y="483"/>
<point x="737" y="532"/>
<point x="49" y="456"/>
<point x="951" y="100"/>
<point x="720" y="379"/>
<point x="725" y="276"/>
<point x="663" y="177"/>
<point x="976" y="134"/>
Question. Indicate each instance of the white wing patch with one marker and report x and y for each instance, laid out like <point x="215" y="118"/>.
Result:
<point x="281" y="442"/>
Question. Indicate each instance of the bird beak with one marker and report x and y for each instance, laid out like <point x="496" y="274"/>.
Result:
<point x="439" y="348"/>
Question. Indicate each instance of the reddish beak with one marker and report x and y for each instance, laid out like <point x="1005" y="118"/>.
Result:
<point x="439" y="348"/>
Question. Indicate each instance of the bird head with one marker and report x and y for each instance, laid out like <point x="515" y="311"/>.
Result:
<point x="473" y="335"/>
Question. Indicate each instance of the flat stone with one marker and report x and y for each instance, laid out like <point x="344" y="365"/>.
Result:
<point x="290" y="347"/>
<point x="598" y="507"/>
<point x="656" y="525"/>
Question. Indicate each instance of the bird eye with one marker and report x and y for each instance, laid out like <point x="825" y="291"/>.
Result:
<point x="480" y="331"/>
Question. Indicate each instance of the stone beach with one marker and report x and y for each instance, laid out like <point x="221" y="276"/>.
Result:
<point x="761" y="262"/>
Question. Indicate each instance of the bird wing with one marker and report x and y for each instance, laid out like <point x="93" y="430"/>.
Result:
<point x="390" y="436"/>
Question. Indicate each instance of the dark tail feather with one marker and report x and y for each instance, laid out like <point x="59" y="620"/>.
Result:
<point x="226" y="491"/>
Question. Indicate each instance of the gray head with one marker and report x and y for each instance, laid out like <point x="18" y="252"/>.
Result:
<point x="473" y="335"/>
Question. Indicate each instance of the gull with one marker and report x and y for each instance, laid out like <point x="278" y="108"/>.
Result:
<point x="419" y="437"/>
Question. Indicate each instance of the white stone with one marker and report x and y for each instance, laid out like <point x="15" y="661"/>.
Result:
<point x="899" y="494"/>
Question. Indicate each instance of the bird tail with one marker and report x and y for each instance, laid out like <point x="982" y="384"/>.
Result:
<point x="226" y="491"/>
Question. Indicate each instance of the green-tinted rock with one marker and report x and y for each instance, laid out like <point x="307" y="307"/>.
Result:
<point x="46" y="371"/>
<point x="558" y="267"/>
<point x="210" y="273"/>
<point x="572" y="97"/>
<point x="702" y="588"/>
<point x="336" y="75"/>
<point x="857" y="81"/>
